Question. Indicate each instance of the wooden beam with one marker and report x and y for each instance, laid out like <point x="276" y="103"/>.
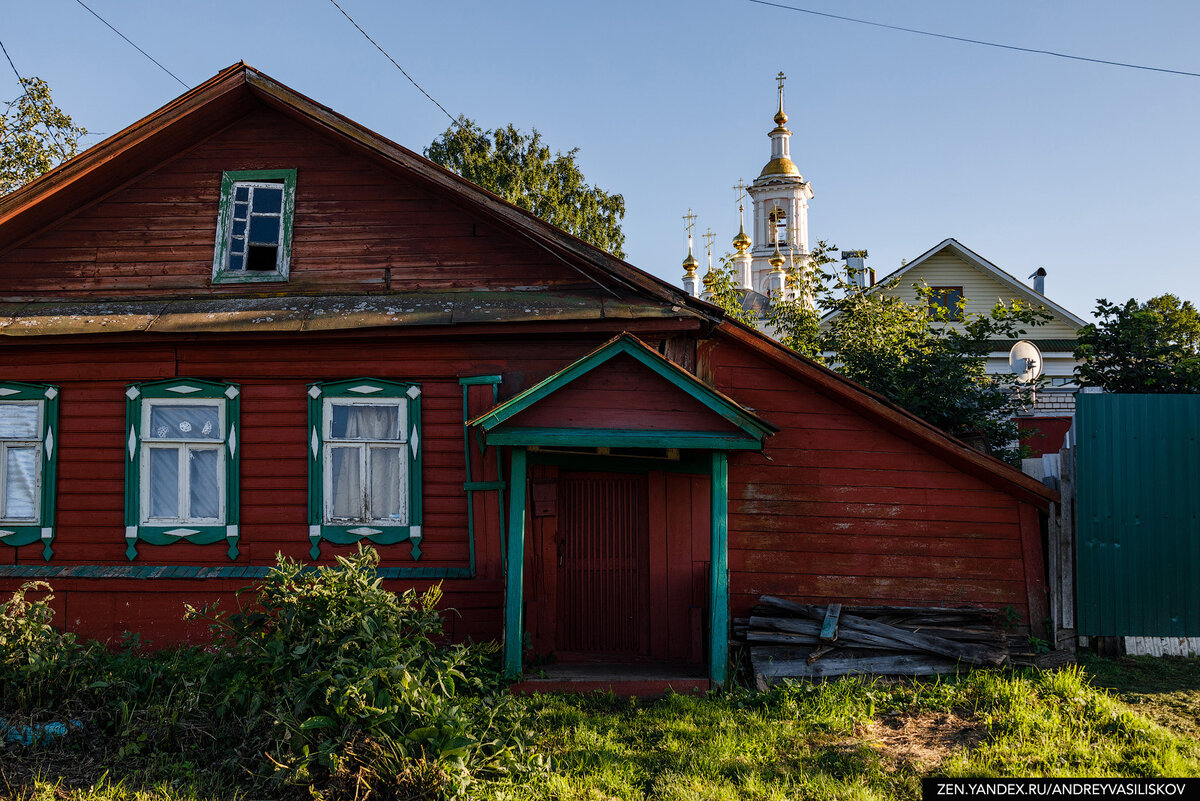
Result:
<point x="718" y="578"/>
<point x="514" y="575"/>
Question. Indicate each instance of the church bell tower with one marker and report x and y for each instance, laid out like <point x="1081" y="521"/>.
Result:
<point x="780" y="198"/>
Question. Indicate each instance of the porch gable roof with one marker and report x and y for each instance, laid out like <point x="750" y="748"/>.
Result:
<point x="737" y="429"/>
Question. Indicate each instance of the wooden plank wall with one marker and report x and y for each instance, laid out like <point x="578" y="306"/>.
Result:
<point x="273" y="375"/>
<point x="840" y="509"/>
<point x="358" y="228"/>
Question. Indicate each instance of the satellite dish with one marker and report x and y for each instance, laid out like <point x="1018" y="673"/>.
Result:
<point x="1025" y="360"/>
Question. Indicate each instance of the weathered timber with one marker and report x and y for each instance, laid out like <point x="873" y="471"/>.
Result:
<point x="770" y="667"/>
<point x="829" y="627"/>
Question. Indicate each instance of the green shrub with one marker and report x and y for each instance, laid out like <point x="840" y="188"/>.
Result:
<point x="38" y="663"/>
<point x="341" y="677"/>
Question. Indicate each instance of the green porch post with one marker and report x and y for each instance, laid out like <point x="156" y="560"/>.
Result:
<point x="515" y="564"/>
<point x="718" y="579"/>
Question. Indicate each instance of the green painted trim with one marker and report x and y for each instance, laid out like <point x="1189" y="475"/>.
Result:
<point x="341" y="534"/>
<point x="41" y="530"/>
<point x="625" y="344"/>
<point x="718" y="580"/>
<point x="477" y="380"/>
<point x="225" y="223"/>
<point x="227" y="532"/>
<point x="150" y="572"/>
<point x="621" y="438"/>
<point x="515" y="574"/>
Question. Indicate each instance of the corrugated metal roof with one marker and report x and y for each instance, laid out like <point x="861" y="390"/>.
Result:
<point x="317" y="313"/>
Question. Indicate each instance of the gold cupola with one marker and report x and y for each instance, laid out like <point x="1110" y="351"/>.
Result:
<point x="781" y="162"/>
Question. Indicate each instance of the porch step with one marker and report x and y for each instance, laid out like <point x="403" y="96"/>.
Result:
<point x="642" y="681"/>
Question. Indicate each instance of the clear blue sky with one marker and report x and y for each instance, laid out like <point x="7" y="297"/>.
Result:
<point x="1089" y="171"/>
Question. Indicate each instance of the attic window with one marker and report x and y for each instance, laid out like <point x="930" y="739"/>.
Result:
<point x="946" y="303"/>
<point x="254" y="227"/>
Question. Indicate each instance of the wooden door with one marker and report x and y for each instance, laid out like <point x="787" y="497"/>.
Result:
<point x="603" y="577"/>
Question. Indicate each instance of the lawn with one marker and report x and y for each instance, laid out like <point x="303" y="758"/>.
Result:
<point x="847" y="739"/>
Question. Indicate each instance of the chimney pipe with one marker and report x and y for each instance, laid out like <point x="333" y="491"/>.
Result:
<point x="857" y="270"/>
<point x="1039" y="280"/>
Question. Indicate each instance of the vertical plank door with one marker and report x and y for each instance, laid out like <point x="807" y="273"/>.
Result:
<point x="603" y="566"/>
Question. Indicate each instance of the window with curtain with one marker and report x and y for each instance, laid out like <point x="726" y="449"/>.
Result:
<point x="28" y="416"/>
<point x="182" y="464"/>
<point x="365" y="463"/>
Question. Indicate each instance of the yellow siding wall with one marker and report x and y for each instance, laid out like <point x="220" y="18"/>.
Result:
<point x="981" y="290"/>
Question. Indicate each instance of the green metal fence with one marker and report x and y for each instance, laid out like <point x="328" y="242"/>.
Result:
<point x="1137" y="515"/>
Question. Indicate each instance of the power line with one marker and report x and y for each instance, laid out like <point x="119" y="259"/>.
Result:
<point x="976" y="41"/>
<point x="135" y="47"/>
<point x="11" y="64"/>
<point x="389" y="58"/>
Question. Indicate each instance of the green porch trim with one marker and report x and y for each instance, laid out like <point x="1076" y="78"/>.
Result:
<point x="718" y="581"/>
<point x="150" y="572"/>
<point x="26" y="532"/>
<point x="514" y="576"/>
<point x="377" y="532"/>
<point x="751" y="425"/>
<point x="622" y="438"/>
<point x="470" y="486"/>
<point x="225" y="225"/>
<point x="181" y="389"/>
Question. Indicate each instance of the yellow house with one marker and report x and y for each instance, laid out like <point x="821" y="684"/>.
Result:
<point x="955" y="271"/>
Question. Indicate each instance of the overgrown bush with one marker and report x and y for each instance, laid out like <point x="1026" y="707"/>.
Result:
<point x="344" y="675"/>
<point x="324" y="684"/>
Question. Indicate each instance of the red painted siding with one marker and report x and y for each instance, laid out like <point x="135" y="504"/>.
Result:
<point x="357" y="228"/>
<point x="837" y="508"/>
<point x="622" y="393"/>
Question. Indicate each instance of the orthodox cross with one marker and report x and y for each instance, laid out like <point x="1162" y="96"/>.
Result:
<point x="781" y="78"/>
<point x="709" y="236"/>
<point x="740" y="188"/>
<point x="691" y="222"/>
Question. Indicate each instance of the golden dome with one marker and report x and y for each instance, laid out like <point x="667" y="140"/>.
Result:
<point x="780" y="117"/>
<point x="741" y="242"/>
<point x="776" y="259"/>
<point x="709" y="278"/>
<point x="690" y="264"/>
<point x="780" y="166"/>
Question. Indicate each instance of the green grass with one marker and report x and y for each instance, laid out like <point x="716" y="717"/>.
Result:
<point x="1165" y="689"/>
<point x="847" y="739"/>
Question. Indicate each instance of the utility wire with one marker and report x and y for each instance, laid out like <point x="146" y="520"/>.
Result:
<point x="976" y="41"/>
<point x="389" y="58"/>
<point x="135" y="47"/>
<point x="11" y="64"/>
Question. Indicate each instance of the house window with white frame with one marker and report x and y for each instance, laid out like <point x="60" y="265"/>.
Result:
<point x="365" y="451"/>
<point x="182" y="463"/>
<point x="28" y="417"/>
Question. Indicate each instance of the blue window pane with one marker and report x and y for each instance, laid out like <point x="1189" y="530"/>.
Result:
<point x="241" y="193"/>
<point x="239" y="227"/>
<point x="235" y="261"/>
<point x="264" y="230"/>
<point x="268" y="200"/>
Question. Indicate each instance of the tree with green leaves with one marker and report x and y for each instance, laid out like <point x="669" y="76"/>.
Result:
<point x="35" y="136"/>
<point x="910" y="353"/>
<point x="1150" y="347"/>
<point x="520" y="168"/>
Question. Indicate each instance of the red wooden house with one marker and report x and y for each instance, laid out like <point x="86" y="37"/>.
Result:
<point x="246" y="326"/>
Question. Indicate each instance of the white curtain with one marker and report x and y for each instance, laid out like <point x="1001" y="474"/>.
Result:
<point x="18" y="421"/>
<point x="376" y="496"/>
<point x="203" y="484"/>
<point x="164" y="483"/>
<point x="20" y="502"/>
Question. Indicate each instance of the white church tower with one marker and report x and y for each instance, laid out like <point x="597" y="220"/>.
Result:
<point x="780" y="198"/>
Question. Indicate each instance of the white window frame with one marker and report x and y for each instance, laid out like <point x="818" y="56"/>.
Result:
<point x="184" y="447"/>
<point x="36" y="443"/>
<point x="365" y="446"/>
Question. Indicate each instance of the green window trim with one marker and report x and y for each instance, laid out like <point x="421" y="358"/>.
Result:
<point x="181" y="389"/>
<point x="220" y="273"/>
<point x="22" y="532"/>
<point x="379" y="532"/>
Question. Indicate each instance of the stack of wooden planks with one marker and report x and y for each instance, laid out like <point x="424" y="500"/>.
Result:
<point x="790" y="640"/>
